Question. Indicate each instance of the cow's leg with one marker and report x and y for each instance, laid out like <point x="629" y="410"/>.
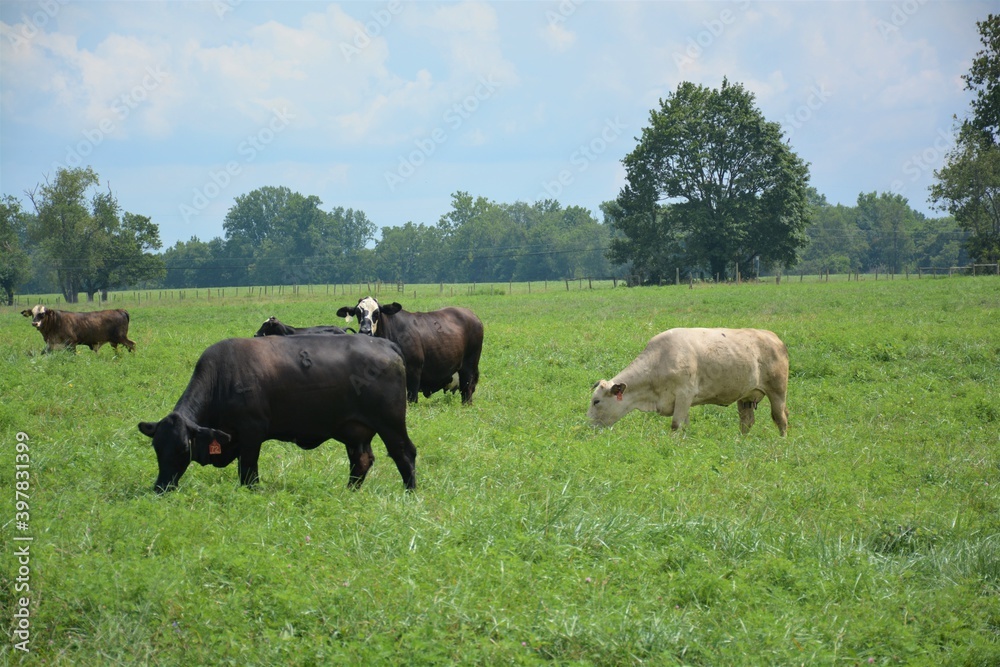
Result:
<point x="467" y="381"/>
<point x="96" y="347"/>
<point x="468" y="374"/>
<point x="403" y="453"/>
<point x="129" y="344"/>
<point x="246" y="464"/>
<point x="357" y="438"/>
<point x="748" y="411"/>
<point x="361" y="456"/>
<point x="779" y="412"/>
<point x="412" y="383"/>
<point x="682" y="405"/>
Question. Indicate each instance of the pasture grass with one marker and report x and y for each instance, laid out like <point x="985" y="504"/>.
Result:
<point x="869" y="535"/>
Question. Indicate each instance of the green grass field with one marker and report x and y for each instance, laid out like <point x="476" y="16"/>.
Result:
<point x="870" y="535"/>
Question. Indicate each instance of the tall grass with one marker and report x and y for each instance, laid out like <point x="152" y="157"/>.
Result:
<point x="869" y="535"/>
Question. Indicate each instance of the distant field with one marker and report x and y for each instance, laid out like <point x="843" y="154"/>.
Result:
<point x="870" y="535"/>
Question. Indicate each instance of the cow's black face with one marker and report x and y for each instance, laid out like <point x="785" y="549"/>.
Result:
<point x="177" y="442"/>
<point x="271" y="327"/>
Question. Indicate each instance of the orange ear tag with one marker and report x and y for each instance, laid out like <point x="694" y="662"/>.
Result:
<point x="215" y="448"/>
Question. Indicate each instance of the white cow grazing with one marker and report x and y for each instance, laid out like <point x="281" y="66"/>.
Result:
<point x="684" y="367"/>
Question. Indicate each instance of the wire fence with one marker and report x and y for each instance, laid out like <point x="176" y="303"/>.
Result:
<point x="403" y="290"/>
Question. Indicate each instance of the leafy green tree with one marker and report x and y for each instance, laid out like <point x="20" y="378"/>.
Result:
<point x="280" y="236"/>
<point x="91" y="244"/>
<point x="15" y="265"/>
<point x="64" y="227"/>
<point x="984" y="80"/>
<point x="940" y="243"/>
<point x="711" y="183"/>
<point x="968" y="185"/>
<point x="888" y="223"/>
<point x="411" y="253"/>
<point x="479" y="240"/>
<point x="968" y="188"/>
<point x="835" y="242"/>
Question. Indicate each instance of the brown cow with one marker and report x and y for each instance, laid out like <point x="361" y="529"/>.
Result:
<point x="684" y="367"/>
<point x="61" y="328"/>
<point x="437" y="345"/>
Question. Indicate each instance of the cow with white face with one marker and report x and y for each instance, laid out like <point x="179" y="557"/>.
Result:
<point x="684" y="367"/>
<point x="439" y="346"/>
<point x="367" y="311"/>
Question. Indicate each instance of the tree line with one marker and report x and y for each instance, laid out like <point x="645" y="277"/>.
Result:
<point x="276" y="236"/>
<point x="79" y="241"/>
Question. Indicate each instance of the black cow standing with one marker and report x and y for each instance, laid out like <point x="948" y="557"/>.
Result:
<point x="272" y="326"/>
<point x="436" y="345"/>
<point x="301" y="389"/>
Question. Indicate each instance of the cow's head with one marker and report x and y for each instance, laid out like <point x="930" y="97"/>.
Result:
<point x="608" y="403"/>
<point x="37" y="314"/>
<point x="270" y="327"/>
<point x="369" y="313"/>
<point x="179" y="441"/>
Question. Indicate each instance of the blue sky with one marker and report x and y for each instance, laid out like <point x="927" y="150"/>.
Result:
<point x="390" y="107"/>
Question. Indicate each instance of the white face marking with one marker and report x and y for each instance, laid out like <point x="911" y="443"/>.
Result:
<point x="36" y="315"/>
<point x="366" y="311"/>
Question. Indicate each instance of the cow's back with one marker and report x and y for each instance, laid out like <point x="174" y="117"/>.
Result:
<point x="295" y="381"/>
<point x="717" y="365"/>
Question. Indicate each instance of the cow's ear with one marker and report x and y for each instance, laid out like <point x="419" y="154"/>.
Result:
<point x="204" y="435"/>
<point x="618" y="389"/>
<point x="26" y="313"/>
<point x="391" y="309"/>
<point x="347" y="312"/>
<point x="148" y="428"/>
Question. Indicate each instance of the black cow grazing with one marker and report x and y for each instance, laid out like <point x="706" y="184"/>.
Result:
<point x="272" y="326"/>
<point x="60" y="328"/>
<point x="436" y="345"/>
<point x="301" y="389"/>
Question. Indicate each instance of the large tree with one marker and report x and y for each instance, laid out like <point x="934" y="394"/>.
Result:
<point x="91" y="243"/>
<point x="14" y="264"/>
<point x="888" y="225"/>
<point x="275" y="235"/>
<point x="711" y="185"/>
<point x="968" y="185"/>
